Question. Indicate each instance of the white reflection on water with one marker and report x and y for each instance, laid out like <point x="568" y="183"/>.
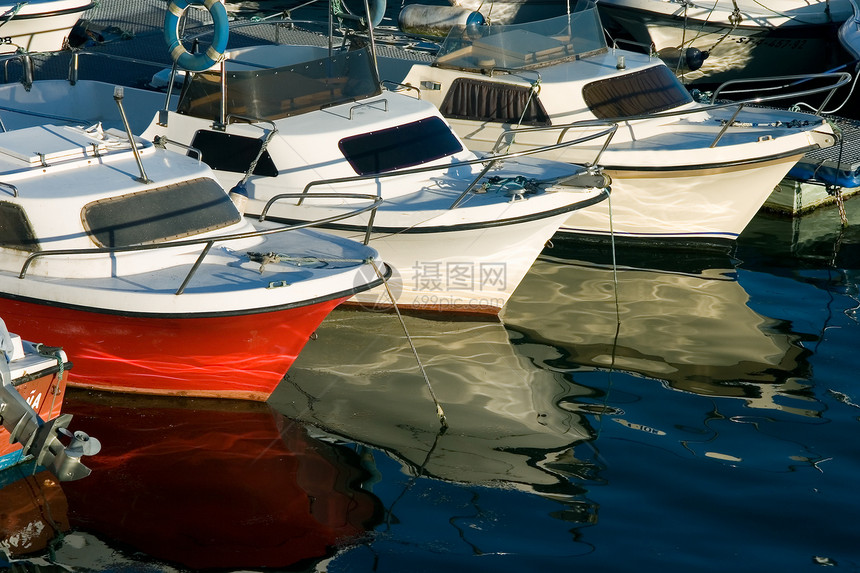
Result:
<point x="502" y="410"/>
<point x="692" y="330"/>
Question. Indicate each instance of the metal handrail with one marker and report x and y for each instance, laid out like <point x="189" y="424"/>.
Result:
<point x="39" y="114"/>
<point x="794" y="79"/>
<point x="10" y="186"/>
<point x="354" y="107"/>
<point x="564" y="128"/>
<point x="398" y="86"/>
<point x="515" y="72"/>
<point x="490" y="160"/>
<point x="209" y="241"/>
<point x="840" y="78"/>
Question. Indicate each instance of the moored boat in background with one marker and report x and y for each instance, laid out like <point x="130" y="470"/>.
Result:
<point x="734" y="39"/>
<point x="39" y="25"/>
<point x="681" y="170"/>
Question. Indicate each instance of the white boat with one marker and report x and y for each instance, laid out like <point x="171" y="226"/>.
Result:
<point x="741" y="38"/>
<point x="134" y="259"/>
<point x="459" y="239"/>
<point x="459" y="229"/>
<point x="680" y="170"/>
<point x="33" y="429"/>
<point x="38" y="25"/>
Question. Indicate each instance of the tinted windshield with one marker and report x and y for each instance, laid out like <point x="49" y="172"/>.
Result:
<point x="520" y="46"/>
<point x="401" y="146"/>
<point x="273" y="93"/>
<point x="647" y="91"/>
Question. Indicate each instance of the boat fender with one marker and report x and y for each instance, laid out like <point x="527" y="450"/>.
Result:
<point x="239" y="195"/>
<point x="214" y="53"/>
<point x="683" y="60"/>
<point x="356" y="8"/>
<point x="436" y="21"/>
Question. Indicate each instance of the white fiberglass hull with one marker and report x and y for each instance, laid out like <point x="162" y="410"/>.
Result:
<point x="469" y="259"/>
<point x="38" y="26"/>
<point x="473" y="271"/>
<point x="697" y="205"/>
<point x="660" y="194"/>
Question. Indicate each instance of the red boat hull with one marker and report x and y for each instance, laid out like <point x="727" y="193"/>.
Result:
<point x="240" y="357"/>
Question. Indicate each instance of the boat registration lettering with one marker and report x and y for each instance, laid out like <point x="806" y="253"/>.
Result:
<point x="778" y="44"/>
<point x="34" y="401"/>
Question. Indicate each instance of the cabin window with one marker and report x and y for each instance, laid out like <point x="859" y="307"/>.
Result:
<point x="170" y="212"/>
<point x="401" y="146"/>
<point x="15" y="229"/>
<point x="227" y="152"/>
<point x="494" y="102"/>
<point x="651" y="90"/>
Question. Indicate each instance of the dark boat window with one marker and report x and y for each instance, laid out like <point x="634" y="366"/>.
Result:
<point x="493" y="101"/>
<point x="15" y="229"/>
<point x="155" y="215"/>
<point x="647" y="91"/>
<point x="402" y="146"/>
<point x="227" y="152"/>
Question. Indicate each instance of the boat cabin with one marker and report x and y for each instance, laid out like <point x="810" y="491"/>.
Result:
<point x="116" y="208"/>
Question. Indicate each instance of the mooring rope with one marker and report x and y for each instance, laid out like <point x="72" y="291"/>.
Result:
<point x="272" y="257"/>
<point x="440" y="413"/>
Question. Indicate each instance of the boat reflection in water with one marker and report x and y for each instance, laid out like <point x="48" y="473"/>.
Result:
<point x="211" y="483"/>
<point x="520" y="398"/>
<point x="683" y="362"/>
<point x="683" y="321"/>
<point x="34" y="510"/>
<point x="505" y="426"/>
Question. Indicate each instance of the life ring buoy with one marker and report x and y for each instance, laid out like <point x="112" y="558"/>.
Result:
<point x="215" y="51"/>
